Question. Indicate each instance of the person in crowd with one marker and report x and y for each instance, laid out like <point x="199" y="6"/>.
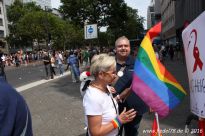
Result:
<point x="161" y="54"/>
<point x="101" y="109"/>
<point x="52" y="66"/>
<point x="46" y="61"/>
<point x="171" y="52"/>
<point x="156" y="51"/>
<point x="122" y="84"/>
<point x="66" y="56"/>
<point x="2" y="72"/>
<point x="15" y="118"/>
<point x="85" y="57"/>
<point x="60" y="60"/>
<point x="74" y="66"/>
<point x="3" y="59"/>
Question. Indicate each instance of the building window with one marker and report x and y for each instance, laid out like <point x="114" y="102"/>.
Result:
<point x="1" y="22"/>
<point x="1" y="33"/>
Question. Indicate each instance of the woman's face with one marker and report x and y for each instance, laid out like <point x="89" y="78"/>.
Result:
<point x="110" y="75"/>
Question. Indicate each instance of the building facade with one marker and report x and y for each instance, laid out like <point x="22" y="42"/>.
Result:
<point x="153" y="13"/>
<point x="186" y="12"/>
<point x="3" y="27"/>
<point x="4" y="31"/>
<point x="8" y="2"/>
<point x="150" y="16"/>
<point x="168" y="34"/>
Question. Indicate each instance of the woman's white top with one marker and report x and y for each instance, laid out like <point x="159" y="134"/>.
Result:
<point x="96" y="102"/>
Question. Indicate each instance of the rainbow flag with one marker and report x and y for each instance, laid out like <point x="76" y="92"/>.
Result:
<point x="151" y="81"/>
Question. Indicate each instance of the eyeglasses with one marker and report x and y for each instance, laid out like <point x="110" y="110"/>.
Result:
<point x="112" y="73"/>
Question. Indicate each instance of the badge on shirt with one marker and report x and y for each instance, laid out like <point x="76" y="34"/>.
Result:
<point x="120" y="73"/>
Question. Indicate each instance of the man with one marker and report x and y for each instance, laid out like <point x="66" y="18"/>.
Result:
<point x="46" y="61"/>
<point x="125" y="68"/>
<point x="74" y="66"/>
<point x="15" y="118"/>
<point x="86" y="56"/>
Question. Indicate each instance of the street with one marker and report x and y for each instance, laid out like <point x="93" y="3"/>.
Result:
<point x="18" y="76"/>
<point x="56" y="107"/>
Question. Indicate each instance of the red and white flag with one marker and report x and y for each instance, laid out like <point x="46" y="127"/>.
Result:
<point x="201" y="125"/>
<point x="155" y="127"/>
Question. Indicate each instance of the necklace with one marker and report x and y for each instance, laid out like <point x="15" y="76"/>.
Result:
<point x="100" y="88"/>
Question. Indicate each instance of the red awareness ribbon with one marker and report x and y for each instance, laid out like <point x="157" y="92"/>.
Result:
<point x="198" y="61"/>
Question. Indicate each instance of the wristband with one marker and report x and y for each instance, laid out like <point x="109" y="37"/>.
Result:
<point x="116" y="122"/>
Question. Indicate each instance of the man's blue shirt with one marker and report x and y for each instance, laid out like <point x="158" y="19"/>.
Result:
<point x="14" y="113"/>
<point x="132" y="101"/>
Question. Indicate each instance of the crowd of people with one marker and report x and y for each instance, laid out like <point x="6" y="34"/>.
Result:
<point x="20" y="57"/>
<point x="73" y="60"/>
<point x="169" y="52"/>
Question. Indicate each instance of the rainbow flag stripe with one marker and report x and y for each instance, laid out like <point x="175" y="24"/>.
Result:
<point x="152" y="82"/>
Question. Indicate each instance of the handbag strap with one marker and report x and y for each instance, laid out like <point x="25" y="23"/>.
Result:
<point x="116" y="110"/>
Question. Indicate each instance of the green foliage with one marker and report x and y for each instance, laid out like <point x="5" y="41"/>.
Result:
<point x="14" y="13"/>
<point x="115" y="14"/>
<point x="29" y="23"/>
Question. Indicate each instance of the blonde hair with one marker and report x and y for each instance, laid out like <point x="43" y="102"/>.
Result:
<point x="120" y="39"/>
<point x="101" y="62"/>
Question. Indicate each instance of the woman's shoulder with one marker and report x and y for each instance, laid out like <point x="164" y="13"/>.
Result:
<point x="93" y="94"/>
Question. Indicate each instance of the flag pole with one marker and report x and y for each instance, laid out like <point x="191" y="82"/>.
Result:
<point x="157" y="119"/>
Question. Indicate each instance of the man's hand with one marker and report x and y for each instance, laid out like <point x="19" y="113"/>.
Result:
<point x="125" y="93"/>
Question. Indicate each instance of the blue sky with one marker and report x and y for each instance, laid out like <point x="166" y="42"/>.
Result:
<point x="141" y="5"/>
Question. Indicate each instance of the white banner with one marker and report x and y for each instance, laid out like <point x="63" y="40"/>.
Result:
<point x="91" y="31"/>
<point x="194" y="46"/>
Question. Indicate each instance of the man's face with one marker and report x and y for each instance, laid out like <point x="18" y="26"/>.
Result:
<point x="123" y="48"/>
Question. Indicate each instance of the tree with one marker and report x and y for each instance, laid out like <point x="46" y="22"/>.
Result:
<point x="29" y="23"/>
<point x="73" y="11"/>
<point x="32" y="25"/>
<point x="16" y="11"/>
<point x="116" y="15"/>
<point x="85" y="11"/>
<point x="134" y="24"/>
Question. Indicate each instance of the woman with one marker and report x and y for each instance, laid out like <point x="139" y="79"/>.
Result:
<point x="101" y="110"/>
<point x="52" y="66"/>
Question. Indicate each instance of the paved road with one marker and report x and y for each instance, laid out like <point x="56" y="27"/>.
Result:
<point x="18" y="76"/>
<point x="56" y="108"/>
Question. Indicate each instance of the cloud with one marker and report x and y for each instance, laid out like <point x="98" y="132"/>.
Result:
<point x="141" y="6"/>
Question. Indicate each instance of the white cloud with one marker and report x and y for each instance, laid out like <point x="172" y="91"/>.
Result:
<point x="141" y="6"/>
<point x="55" y="3"/>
